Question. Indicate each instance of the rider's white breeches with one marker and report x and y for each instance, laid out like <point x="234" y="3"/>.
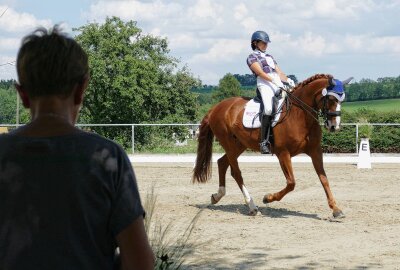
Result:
<point x="267" y="90"/>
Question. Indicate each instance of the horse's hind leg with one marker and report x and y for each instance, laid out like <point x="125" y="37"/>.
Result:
<point x="223" y="164"/>
<point x="233" y="151"/>
<point x="286" y="165"/>
<point x="237" y="175"/>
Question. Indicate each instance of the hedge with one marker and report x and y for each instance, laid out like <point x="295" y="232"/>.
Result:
<point x="383" y="139"/>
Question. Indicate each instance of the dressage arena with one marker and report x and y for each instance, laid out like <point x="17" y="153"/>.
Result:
<point x="295" y="233"/>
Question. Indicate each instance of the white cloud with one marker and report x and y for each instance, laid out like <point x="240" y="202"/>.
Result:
<point x="372" y="44"/>
<point x="13" y="21"/>
<point x="240" y="11"/>
<point x="9" y="44"/>
<point x="222" y="50"/>
<point x="315" y="45"/>
<point x="7" y="67"/>
<point x="250" y="24"/>
<point x="335" y="9"/>
<point x="205" y="9"/>
<point x="182" y="41"/>
<point x="132" y="10"/>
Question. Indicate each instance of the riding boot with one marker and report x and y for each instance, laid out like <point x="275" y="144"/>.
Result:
<point x="264" y="135"/>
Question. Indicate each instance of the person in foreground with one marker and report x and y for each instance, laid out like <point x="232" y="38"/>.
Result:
<point x="68" y="198"/>
<point x="269" y="80"/>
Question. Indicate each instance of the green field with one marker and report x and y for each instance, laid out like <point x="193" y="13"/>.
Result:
<point x="384" y="105"/>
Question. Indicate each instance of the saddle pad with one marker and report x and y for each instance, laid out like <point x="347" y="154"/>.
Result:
<point x="251" y="117"/>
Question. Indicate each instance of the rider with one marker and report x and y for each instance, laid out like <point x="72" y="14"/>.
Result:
<point x="269" y="80"/>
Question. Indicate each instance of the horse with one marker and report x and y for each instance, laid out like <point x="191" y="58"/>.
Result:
<point x="297" y="131"/>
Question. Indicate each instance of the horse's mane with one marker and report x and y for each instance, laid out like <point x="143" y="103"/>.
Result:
<point x="311" y="79"/>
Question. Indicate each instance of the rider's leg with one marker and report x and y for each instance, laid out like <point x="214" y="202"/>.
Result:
<point x="267" y="93"/>
<point x="264" y="136"/>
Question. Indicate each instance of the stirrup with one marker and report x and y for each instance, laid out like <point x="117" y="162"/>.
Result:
<point x="264" y="147"/>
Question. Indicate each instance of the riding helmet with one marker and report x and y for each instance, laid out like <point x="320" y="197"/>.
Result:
<point x="260" y="35"/>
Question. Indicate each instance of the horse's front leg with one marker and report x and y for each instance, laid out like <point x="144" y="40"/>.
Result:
<point x="316" y="157"/>
<point x="286" y="165"/>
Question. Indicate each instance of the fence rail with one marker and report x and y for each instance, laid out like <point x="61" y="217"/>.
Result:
<point x="357" y="125"/>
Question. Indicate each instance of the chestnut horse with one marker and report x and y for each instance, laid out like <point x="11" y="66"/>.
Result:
<point x="298" y="131"/>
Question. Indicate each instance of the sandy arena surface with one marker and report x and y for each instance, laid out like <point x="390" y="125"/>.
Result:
<point x="295" y="233"/>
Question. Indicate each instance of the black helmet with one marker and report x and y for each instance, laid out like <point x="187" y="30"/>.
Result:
<point x="260" y="35"/>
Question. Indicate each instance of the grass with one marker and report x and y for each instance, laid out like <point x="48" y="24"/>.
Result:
<point x="382" y="105"/>
<point x="170" y="245"/>
<point x="170" y="148"/>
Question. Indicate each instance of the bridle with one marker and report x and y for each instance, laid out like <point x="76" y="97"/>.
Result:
<point x="324" y="111"/>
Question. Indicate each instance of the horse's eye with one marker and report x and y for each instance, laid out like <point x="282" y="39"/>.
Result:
<point x="333" y="99"/>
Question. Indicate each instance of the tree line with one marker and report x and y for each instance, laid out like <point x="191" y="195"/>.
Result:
<point x="365" y="89"/>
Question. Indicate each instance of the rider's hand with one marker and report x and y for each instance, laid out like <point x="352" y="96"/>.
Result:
<point x="290" y="82"/>
<point x="277" y="82"/>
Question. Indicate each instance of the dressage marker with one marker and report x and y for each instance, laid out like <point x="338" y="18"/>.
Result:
<point x="364" y="155"/>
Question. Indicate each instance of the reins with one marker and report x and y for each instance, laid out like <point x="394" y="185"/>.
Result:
<point x="310" y="110"/>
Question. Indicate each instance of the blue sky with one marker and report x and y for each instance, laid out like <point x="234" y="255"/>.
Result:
<point x="359" y="38"/>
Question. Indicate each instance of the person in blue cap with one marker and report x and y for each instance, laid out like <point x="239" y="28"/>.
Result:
<point x="269" y="80"/>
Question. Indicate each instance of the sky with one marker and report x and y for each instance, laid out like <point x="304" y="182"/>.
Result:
<point x="359" y="38"/>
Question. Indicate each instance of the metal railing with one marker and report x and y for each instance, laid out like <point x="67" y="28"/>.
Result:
<point x="357" y="125"/>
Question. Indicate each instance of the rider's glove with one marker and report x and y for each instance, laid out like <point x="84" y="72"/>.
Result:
<point x="290" y="82"/>
<point x="277" y="82"/>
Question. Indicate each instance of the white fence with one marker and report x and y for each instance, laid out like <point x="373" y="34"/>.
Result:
<point x="133" y="126"/>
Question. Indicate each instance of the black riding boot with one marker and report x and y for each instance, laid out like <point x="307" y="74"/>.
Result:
<point x="264" y="135"/>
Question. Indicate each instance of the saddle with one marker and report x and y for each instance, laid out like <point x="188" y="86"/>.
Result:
<point x="254" y="108"/>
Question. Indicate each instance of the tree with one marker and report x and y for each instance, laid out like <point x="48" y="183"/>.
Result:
<point x="8" y="104"/>
<point x="228" y="86"/>
<point x="246" y="80"/>
<point x="133" y="80"/>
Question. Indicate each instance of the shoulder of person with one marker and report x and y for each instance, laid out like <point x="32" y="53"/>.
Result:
<point x="96" y="138"/>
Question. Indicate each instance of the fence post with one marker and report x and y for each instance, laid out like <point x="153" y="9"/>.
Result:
<point x="133" y="139"/>
<point x="356" y="138"/>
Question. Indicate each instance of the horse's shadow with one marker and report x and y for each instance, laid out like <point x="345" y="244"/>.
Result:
<point x="264" y="210"/>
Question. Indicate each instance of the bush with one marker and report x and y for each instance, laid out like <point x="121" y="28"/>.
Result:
<point x="383" y="139"/>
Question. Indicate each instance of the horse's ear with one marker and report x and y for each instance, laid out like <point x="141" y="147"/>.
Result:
<point x="332" y="82"/>
<point x="347" y="81"/>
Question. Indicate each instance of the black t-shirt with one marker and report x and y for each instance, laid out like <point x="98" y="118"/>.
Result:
<point x="63" y="200"/>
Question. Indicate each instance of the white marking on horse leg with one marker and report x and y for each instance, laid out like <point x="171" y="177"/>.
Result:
<point x="249" y="200"/>
<point x="221" y="193"/>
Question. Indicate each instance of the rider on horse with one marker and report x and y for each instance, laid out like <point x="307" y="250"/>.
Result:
<point x="269" y="81"/>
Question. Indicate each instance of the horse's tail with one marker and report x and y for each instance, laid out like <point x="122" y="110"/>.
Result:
<point x="202" y="169"/>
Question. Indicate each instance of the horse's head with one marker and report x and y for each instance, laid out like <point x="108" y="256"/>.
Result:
<point x="331" y="98"/>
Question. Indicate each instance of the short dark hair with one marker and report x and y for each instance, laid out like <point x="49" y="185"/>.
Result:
<point x="50" y="63"/>
<point x="253" y="45"/>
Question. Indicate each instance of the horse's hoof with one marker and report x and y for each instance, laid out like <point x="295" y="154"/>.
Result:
<point x="266" y="200"/>
<point x="253" y="212"/>
<point x="338" y="214"/>
<point x="213" y="200"/>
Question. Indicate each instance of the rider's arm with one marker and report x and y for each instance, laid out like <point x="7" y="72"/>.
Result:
<point x="256" y="68"/>
<point x="281" y="74"/>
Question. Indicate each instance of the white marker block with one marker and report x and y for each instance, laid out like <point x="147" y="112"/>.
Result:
<point x="364" y="155"/>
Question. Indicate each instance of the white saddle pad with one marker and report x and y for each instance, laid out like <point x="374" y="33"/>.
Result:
<point x="251" y="118"/>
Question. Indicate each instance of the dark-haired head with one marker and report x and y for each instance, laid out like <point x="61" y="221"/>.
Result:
<point x="50" y="63"/>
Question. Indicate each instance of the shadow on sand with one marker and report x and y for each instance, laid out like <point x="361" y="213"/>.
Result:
<point x="264" y="210"/>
